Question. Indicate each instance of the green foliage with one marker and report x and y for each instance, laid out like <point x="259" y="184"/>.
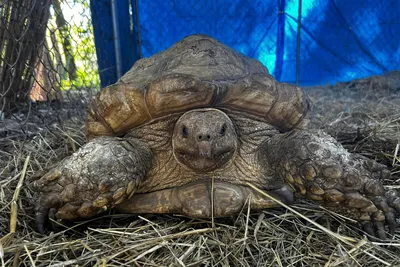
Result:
<point x="81" y="46"/>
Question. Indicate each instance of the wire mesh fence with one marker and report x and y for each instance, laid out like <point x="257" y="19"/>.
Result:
<point x="47" y="47"/>
<point x="48" y="74"/>
<point x="47" y="50"/>
<point x="49" y="70"/>
<point x="48" y="66"/>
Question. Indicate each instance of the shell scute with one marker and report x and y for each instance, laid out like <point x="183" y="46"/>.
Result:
<point x="118" y="107"/>
<point x="176" y="93"/>
<point x="195" y="72"/>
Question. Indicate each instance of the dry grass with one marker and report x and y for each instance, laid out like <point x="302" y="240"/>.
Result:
<point x="366" y="121"/>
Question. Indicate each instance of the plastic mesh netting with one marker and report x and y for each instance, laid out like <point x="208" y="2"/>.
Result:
<point x="339" y="40"/>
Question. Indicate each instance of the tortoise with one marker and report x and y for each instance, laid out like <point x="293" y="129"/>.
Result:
<point x="196" y="130"/>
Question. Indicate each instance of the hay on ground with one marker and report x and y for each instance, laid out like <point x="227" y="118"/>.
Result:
<point x="365" y="120"/>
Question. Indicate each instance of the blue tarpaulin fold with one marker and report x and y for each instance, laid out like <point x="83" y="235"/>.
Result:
<point x="339" y="40"/>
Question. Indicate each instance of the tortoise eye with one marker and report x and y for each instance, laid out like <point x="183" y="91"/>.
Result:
<point x="185" y="131"/>
<point x="223" y="130"/>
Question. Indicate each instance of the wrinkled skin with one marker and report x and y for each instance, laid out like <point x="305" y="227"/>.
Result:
<point x="146" y="173"/>
<point x="186" y="130"/>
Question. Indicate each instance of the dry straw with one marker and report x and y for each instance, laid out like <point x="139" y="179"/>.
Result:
<point x="365" y="121"/>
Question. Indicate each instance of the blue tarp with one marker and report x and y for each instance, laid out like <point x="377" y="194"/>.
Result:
<point x="339" y="40"/>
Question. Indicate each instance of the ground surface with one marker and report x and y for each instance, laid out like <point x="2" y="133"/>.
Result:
<point x="364" y="115"/>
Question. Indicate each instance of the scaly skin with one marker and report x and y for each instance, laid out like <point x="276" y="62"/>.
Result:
<point x="320" y="169"/>
<point x="103" y="173"/>
<point x="145" y="177"/>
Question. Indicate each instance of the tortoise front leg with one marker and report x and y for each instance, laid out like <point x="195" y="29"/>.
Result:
<point x="101" y="174"/>
<point x="319" y="168"/>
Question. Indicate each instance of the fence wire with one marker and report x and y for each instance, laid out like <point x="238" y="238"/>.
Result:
<point x="49" y="72"/>
<point x="48" y="65"/>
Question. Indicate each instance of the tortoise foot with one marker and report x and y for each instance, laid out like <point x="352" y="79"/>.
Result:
<point x="103" y="173"/>
<point x="320" y="169"/>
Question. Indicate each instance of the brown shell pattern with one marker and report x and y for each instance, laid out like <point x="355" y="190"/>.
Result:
<point x="195" y="72"/>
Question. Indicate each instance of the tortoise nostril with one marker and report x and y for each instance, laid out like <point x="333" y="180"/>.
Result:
<point x="204" y="137"/>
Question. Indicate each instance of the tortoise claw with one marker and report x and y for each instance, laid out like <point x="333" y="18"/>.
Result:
<point x="390" y="220"/>
<point x="380" y="230"/>
<point x="47" y="217"/>
<point x="41" y="217"/>
<point x="55" y="224"/>
<point x="374" y="230"/>
<point x="368" y="227"/>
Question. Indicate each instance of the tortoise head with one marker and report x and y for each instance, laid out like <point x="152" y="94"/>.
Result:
<point x="204" y="139"/>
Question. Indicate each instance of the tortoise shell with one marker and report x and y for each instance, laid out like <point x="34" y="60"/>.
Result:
<point x="196" y="72"/>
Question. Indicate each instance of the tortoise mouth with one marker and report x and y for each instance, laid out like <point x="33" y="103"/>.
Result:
<point x="204" y="199"/>
<point x="199" y="162"/>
